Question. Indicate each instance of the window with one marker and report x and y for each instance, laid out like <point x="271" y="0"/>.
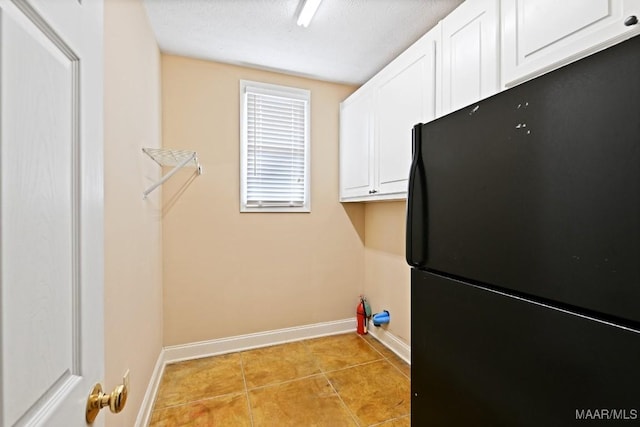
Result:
<point x="274" y="154"/>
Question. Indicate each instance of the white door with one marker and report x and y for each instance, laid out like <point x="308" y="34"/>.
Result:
<point x="406" y="97"/>
<point x="541" y="35"/>
<point x="51" y="198"/>
<point x="470" y="54"/>
<point x="356" y="149"/>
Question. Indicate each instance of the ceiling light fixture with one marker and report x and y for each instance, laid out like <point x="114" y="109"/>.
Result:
<point x="307" y="12"/>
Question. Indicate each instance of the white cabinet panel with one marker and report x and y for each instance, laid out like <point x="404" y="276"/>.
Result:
<point x="541" y="35"/>
<point x="406" y="96"/>
<point x="535" y="16"/>
<point x="470" y="54"/>
<point x="356" y="145"/>
<point x="466" y="62"/>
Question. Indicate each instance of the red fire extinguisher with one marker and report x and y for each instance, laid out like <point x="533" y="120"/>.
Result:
<point x="362" y="314"/>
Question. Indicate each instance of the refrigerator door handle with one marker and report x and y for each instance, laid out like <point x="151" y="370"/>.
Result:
<point x="417" y="223"/>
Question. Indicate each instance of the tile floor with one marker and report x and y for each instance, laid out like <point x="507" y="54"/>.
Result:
<point x="341" y="380"/>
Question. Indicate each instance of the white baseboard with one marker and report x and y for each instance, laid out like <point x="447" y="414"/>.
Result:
<point x="144" y="414"/>
<point x="176" y="353"/>
<point x="392" y="342"/>
<point x="201" y="349"/>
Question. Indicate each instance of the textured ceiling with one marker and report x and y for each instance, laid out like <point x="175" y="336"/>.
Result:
<point x="348" y="41"/>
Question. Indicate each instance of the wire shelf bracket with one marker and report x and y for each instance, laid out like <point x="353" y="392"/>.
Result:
<point x="176" y="158"/>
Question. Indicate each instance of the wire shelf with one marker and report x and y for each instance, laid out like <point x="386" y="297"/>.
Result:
<point x="166" y="157"/>
<point x="176" y="158"/>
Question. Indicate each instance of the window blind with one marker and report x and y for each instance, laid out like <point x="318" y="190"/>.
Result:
<point x="276" y="145"/>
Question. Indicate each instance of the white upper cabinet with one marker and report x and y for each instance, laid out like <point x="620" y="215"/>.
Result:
<point x="376" y="123"/>
<point x="405" y="96"/>
<point x="356" y="145"/>
<point x="480" y="48"/>
<point x="541" y="35"/>
<point x="470" y="54"/>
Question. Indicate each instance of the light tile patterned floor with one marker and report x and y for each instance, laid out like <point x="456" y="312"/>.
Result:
<point x="341" y="380"/>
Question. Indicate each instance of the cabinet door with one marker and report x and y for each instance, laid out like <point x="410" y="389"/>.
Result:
<point x="470" y="54"/>
<point x="540" y="35"/>
<point x="356" y="148"/>
<point x="405" y="97"/>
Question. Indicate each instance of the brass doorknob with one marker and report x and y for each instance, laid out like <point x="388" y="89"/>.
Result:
<point x="98" y="400"/>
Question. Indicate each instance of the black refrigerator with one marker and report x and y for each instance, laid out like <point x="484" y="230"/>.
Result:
<point x="523" y="231"/>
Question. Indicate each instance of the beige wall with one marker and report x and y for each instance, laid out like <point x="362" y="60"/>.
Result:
<point x="133" y="272"/>
<point x="227" y="273"/>
<point x="387" y="282"/>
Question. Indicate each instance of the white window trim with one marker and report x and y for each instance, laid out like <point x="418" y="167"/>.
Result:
<point x="302" y="94"/>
